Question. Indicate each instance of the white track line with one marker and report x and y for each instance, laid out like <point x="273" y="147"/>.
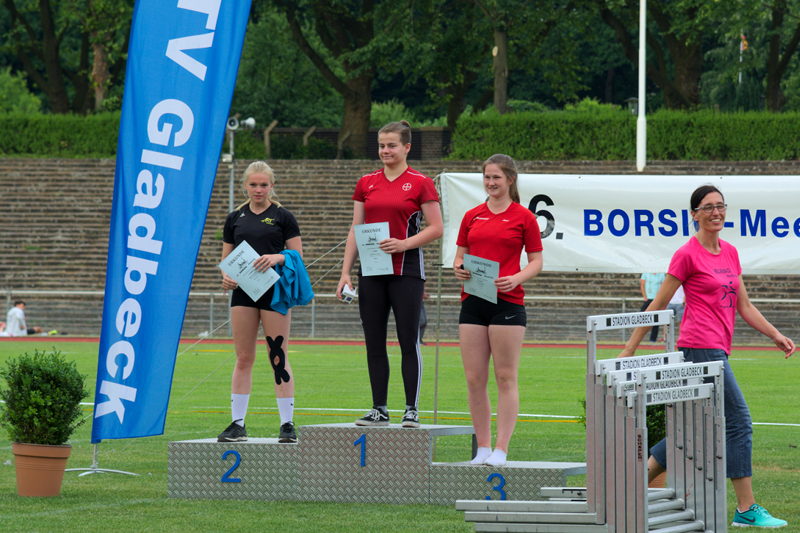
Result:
<point x="525" y="415"/>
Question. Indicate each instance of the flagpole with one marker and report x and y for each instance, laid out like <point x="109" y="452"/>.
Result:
<point x="94" y="468"/>
<point x="641" y="121"/>
<point x="742" y="48"/>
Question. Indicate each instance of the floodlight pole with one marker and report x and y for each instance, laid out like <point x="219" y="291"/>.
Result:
<point x="641" y="122"/>
<point x="232" y="167"/>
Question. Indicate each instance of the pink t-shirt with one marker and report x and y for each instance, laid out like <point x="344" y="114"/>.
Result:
<point x="711" y="284"/>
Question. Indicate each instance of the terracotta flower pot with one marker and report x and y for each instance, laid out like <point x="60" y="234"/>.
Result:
<point x="40" y="468"/>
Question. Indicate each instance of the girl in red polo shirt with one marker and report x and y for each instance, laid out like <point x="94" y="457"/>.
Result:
<point x="401" y="196"/>
<point x="498" y="230"/>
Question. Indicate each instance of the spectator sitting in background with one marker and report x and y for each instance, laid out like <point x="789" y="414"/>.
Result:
<point x="15" y="322"/>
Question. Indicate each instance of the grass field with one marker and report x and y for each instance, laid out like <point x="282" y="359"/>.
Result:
<point x="332" y="386"/>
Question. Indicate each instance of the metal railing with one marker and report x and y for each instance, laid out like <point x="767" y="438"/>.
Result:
<point x="550" y="318"/>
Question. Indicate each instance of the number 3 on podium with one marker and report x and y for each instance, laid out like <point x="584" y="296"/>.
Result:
<point x="501" y="482"/>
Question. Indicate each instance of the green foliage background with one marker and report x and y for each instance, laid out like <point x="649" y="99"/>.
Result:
<point x="611" y="135"/>
<point x="586" y="131"/>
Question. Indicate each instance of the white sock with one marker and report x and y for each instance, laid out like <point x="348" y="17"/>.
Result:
<point x="481" y="455"/>
<point x="286" y="409"/>
<point x="498" y="458"/>
<point x="239" y="407"/>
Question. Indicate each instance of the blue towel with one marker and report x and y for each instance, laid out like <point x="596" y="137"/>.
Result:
<point x="294" y="287"/>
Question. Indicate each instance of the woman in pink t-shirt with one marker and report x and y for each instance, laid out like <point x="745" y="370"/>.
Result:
<point x="708" y="269"/>
<point x="497" y="230"/>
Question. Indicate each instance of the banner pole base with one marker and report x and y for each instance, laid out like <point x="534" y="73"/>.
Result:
<point x="95" y="467"/>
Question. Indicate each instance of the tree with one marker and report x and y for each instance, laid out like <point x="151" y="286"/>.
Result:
<point x="783" y="39"/>
<point x="675" y="39"/>
<point x="768" y="59"/>
<point x="343" y="40"/>
<point x="15" y="96"/>
<point x="551" y="48"/>
<point x="450" y="58"/>
<point x="36" y="40"/>
<point x="53" y="42"/>
<point x="277" y="81"/>
<point x="499" y="16"/>
<point x="733" y="79"/>
<point x="520" y="20"/>
<point x="107" y="24"/>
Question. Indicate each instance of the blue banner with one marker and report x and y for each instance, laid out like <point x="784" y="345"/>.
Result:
<point x="182" y="64"/>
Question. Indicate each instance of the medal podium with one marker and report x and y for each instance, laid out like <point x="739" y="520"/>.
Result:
<point x="347" y="463"/>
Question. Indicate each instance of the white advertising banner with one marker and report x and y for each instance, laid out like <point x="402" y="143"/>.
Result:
<point x="634" y="223"/>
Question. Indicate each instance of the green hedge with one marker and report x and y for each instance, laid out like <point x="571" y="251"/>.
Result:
<point x="59" y="135"/>
<point x="551" y="135"/>
<point x="611" y="135"/>
<point x="249" y="144"/>
<point x="73" y="136"/>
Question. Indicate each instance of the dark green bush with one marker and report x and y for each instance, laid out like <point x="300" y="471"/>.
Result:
<point x="42" y="394"/>
<point x="59" y="135"/>
<point x="250" y="145"/>
<point x="656" y="422"/>
<point x="553" y="135"/>
<point x="291" y="147"/>
<point x="518" y="106"/>
<point x="585" y="131"/>
<point x="608" y="134"/>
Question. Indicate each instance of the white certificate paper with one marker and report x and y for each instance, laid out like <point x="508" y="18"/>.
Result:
<point x="483" y="272"/>
<point x="374" y="261"/>
<point x="239" y="265"/>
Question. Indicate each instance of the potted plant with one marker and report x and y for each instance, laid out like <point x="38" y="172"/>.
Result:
<point x="42" y="395"/>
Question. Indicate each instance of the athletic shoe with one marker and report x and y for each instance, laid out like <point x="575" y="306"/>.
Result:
<point x="287" y="433"/>
<point x="410" y="418"/>
<point x="375" y="417"/>
<point x="233" y="433"/>
<point x="756" y="516"/>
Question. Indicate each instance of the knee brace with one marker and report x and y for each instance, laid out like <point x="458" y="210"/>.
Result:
<point x="277" y="358"/>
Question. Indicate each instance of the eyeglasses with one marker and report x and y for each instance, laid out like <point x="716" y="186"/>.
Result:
<point x="710" y="207"/>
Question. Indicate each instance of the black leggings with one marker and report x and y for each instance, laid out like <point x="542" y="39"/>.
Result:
<point x="403" y="295"/>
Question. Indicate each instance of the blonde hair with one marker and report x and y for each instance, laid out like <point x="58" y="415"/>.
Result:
<point x="259" y="167"/>
<point x="509" y="168"/>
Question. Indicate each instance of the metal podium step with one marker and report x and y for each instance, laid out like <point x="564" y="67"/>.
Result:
<point x="347" y="463"/>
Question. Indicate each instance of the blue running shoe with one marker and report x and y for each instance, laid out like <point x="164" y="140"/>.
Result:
<point x="757" y="516"/>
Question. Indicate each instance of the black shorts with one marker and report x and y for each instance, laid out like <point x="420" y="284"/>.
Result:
<point x="240" y="298"/>
<point x="478" y="311"/>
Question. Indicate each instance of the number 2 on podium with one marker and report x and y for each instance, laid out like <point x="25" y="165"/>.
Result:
<point x="362" y="440"/>
<point x="226" y="477"/>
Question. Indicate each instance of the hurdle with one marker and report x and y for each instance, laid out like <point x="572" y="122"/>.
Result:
<point x="616" y="497"/>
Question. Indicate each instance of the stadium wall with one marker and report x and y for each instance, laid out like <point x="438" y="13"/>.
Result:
<point x="54" y="217"/>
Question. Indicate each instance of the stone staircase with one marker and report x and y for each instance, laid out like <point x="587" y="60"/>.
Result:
<point x="54" y="216"/>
